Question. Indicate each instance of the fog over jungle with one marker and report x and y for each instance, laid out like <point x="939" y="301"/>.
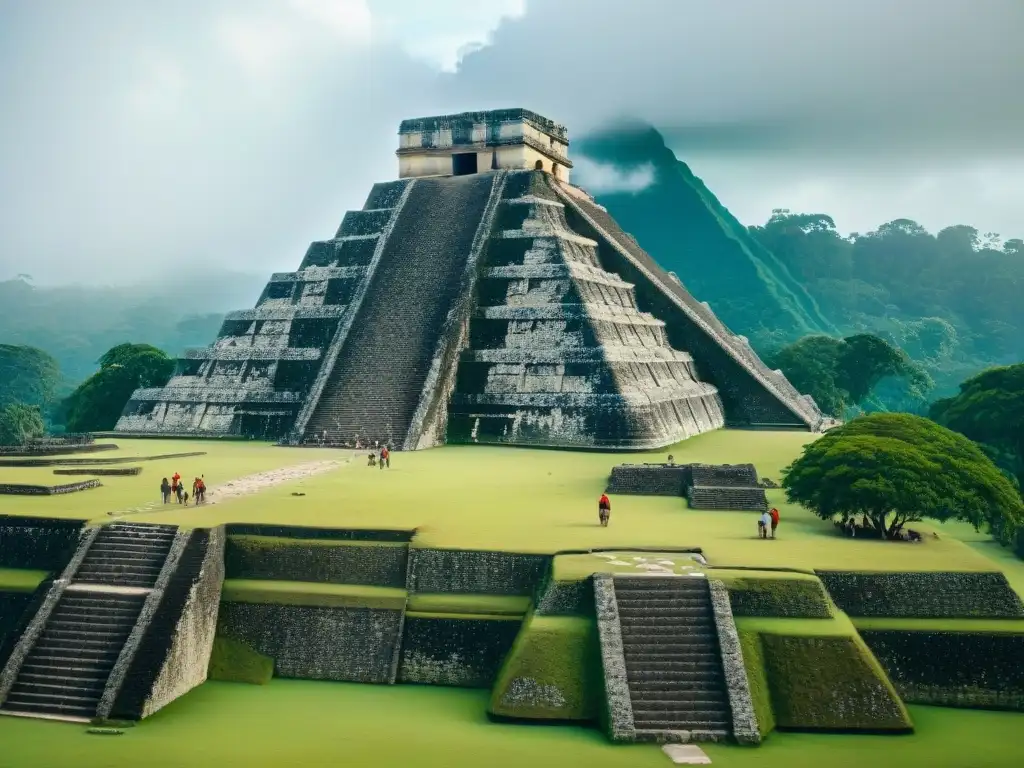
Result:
<point x="140" y="137"/>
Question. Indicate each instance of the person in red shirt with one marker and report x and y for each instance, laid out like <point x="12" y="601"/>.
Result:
<point x="775" y="520"/>
<point x="604" y="509"/>
<point x="175" y="482"/>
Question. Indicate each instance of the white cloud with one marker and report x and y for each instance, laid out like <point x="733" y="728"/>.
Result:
<point x="605" y="178"/>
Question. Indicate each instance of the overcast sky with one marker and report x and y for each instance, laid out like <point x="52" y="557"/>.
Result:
<point x="137" y="136"/>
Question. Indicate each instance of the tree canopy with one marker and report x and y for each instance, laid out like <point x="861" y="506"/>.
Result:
<point x="27" y="375"/>
<point x="19" y="423"/>
<point x="842" y="373"/>
<point x="990" y="410"/>
<point x="896" y="468"/>
<point x="98" y="402"/>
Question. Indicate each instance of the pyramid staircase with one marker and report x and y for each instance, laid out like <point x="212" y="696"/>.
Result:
<point x="69" y="658"/>
<point x="665" y="676"/>
<point x="377" y="381"/>
<point x="726" y="497"/>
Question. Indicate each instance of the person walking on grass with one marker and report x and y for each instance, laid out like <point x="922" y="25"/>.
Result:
<point x="385" y="458"/>
<point x="774" y="515"/>
<point x="604" y="509"/>
<point x="176" y="486"/>
<point x="763" y="524"/>
<point x="180" y="491"/>
<point x="165" y="491"/>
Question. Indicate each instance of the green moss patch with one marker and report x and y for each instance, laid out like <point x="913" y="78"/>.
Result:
<point x="493" y="605"/>
<point x="20" y="580"/>
<point x="310" y="594"/>
<point x="988" y="626"/>
<point x="757" y="679"/>
<point x="331" y="561"/>
<point x="829" y="683"/>
<point x="924" y="595"/>
<point x="775" y="593"/>
<point x="233" y="661"/>
<point x="553" y="671"/>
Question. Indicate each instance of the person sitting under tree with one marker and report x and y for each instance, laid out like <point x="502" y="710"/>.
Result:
<point x="604" y="510"/>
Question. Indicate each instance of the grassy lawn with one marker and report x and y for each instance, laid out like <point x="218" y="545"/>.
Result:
<point x="299" y="723"/>
<point x="223" y="461"/>
<point x="20" y="580"/>
<point x="513" y="499"/>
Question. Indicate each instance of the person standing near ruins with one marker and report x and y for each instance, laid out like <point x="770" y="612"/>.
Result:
<point x="176" y="486"/>
<point x="774" y="515"/>
<point x="763" y="524"/>
<point x="165" y="491"/>
<point x="604" y="509"/>
<point x="385" y="457"/>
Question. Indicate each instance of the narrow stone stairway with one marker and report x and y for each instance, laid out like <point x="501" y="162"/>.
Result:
<point x="727" y="497"/>
<point x="379" y="376"/>
<point x="67" y="668"/>
<point x="672" y="658"/>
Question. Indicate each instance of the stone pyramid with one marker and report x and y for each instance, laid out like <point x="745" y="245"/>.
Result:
<point x="479" y="298"/>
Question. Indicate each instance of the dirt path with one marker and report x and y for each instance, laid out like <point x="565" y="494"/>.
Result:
<point x="245" y="486"/>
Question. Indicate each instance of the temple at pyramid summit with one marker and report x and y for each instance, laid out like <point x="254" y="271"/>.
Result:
<point x="479" y="298"/>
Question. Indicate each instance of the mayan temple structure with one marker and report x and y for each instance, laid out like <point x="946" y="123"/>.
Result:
<point x="479" y="298"/>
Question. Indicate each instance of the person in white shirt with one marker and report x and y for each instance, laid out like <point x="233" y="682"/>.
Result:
<point x="763" y="524"/>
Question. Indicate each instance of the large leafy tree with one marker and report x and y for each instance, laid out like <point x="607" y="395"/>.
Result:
<point x="842" y="373"/>
<point x="98" y="402"/>
<point x="896" y="468"/>
<point x="990" y="410"/>
<point x="27" y="375"/>
<point x="19" y="423"/>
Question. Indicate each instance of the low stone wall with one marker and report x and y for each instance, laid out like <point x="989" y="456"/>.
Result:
<point x="37" y="543"/>
<point x="566" y="598"/>
<point x="953" y="669"/>
<point x="306" y="532"/>
<point x="724" y="475"/>
<point x="744" y="719"/>
<point x="449" y="650"/>
<point x="346" y="644"/>
<point x="649" y="479"/>
<point x="618" y="712"/>
<point x="317" y="560"/>
<point x="174" y="655"/>
<point x="101" y="471"/>
<point x="923" y="595"/>
<point x="18" y="489"/>
<point x="476" y="572"/>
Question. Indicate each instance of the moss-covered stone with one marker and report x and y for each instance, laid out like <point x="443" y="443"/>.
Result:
<point x="785" y="597"/>
<point x="951" y="668"/>
<point x="553" y="671"/>
<point x="379" y="563"/>
<point x="923" y="595"/>
<point x="757" y="679"/>
<point x="445" y="649"/>
<point x="233" y="661"/>
<point x="829" y="683"/>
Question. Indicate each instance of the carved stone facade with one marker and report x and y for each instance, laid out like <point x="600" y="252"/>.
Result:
<point x="502" y="306"/>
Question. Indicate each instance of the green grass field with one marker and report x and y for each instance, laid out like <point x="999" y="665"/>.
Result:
<point x="297" y="723"/>
<point x="486" y="498"/>
<point x="512" y="499"/>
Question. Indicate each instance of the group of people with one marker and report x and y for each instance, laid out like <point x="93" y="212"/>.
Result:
<point x="382" y="460"/>
<point x="175" y="488"/>
<point x="767" y="523"/>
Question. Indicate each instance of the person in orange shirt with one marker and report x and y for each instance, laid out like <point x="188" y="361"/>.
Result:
<point x="774" y="513"/>
<point x="604" y="510"/>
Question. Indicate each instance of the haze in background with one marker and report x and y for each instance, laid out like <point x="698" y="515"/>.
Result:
<point x="145" y="142"/>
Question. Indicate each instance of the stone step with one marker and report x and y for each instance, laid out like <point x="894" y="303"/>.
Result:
<point x="73" y="616"/>
<point x="697" y="683"/>
<point x="629" y="612"/>
<point x="692" y="702"/>
<point x="669" y="658"/>
<point x="78" y="679"/>
<point x="67" y="668"/>
<point x="696" y="583"/>
<point x="83" y="643"/>
<point x="56" y="687"/>
<point x="106" y="554"/>
<point x="659" y="631"/>
<point x="93" y="601"/>
<point x="659" y="603"/>
<point x="719" y="725"/>
<point x="682" y="644"/>
<point x="662" y="736"/>
<point x="54" y="707"/>
<point x="41" y="697"/>
<point x="681" y="673"/>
